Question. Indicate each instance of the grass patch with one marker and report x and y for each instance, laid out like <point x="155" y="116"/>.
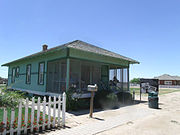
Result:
<point x="2" y="86"/>
<point x="16" y="113"/>
<point x="166" y="91"/>
<point x="15" y="122"/>
<point x="137" y="90"/>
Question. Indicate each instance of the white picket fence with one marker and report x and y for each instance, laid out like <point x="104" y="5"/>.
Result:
<point x="42" y="115"/>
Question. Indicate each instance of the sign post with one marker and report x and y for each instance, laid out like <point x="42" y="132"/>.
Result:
<point x="92" y="89"/>
<point x="91" y="104"/>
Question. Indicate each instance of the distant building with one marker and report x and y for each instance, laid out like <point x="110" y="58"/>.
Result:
<point x="168" y="80"/>
<point x="3" y="80"/>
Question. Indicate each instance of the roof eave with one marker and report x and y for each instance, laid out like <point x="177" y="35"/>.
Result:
<point x="4" y="65"/>
<point x="7" y="64"/>
<point x="134" y="62"/>
<point x="32" y="56"/>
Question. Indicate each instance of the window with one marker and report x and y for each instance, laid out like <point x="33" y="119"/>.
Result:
<point x="13" y="75"/>
<point x="96" y="74"/>
<point x="17" y="72"/>
<point x="28" y="74"/>
<point x="63" y="75"/>
<point x="168" y="82"/>
<point x="41" y="73"/>
<point x="74" y="74"/>
<point x="90" y="74"/>
<point x="56" y="76"/>
<point x="85" y="76"/>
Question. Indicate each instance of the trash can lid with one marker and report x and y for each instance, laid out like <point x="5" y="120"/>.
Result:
<point x="153" y="93"/>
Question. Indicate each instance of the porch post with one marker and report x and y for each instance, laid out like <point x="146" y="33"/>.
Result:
<point x="108" y="76"/>
<point x="80" y="75"/>
<point x="115" y="72"/>
<point x="122" y="79"/>
<point x="122" y="86"/>
<point x="128" y="79"/>
<point x="67" y="74"/>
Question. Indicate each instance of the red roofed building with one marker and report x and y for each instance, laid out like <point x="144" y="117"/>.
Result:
<point x="168" y="80"/>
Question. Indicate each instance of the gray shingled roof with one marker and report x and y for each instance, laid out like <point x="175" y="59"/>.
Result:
<point x="80" y="45"/>
<point x="168" y="77"/>
<point x="91" y="48"/>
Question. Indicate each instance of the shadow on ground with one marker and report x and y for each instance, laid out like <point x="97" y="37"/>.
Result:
<point x="83" y="112"/>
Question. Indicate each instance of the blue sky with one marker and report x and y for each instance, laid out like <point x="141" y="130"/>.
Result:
<point x="146" y="30"/>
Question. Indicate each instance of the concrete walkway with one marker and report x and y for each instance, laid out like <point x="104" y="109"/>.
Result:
<point x="165" y="121"/>
<point x="106" y="120"/>
<point x="130" y="120"/>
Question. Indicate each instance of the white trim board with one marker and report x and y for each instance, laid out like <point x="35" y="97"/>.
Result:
<point x="36" y="92"/>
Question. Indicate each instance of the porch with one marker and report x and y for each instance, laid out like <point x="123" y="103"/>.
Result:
<point x="76" y="75"/>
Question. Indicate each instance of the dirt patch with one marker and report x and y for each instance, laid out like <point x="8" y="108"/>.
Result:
<point x="163" y="122"/>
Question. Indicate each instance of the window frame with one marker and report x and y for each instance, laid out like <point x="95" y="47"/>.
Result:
<point x="17" y="73"/>
<point x="13" y="77"/>
<point x="27" y="74"/>
<point x="168" y="82"/>
<point x="39" y="73"/>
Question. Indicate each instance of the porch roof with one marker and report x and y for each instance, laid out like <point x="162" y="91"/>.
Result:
<point x="81" y="46"/>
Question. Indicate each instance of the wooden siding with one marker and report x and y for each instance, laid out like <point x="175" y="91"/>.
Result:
<point x="20" y="82"/>
<point x="75" y="53"/>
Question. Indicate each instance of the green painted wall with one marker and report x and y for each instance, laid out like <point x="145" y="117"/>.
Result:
<point x="95" y="57"/>
<point x="20" y="82"/>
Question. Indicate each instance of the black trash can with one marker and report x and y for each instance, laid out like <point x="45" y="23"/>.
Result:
<point x="153" y="100"/>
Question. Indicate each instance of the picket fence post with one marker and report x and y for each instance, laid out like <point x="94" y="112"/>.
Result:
<point x="49" y="113"/>
<point x="12" y="122"/>
<point x="44" y="113"/>
<point x="59" y="110"/>
<point x="32" y="115"/>
<point x="26" y="116"/>
<point x="19" y="118"/>
<point x="63" y="109"/>
<point x="5" y="121"/>
<point x="38" y="113"/>
<point x="54" y="112"/>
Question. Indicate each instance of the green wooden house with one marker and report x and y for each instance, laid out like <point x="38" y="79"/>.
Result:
<point x="73" y="65"/>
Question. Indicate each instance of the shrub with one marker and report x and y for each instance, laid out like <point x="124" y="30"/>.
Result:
<point x="70" y="103"/>
<point x="100" y="98"/>
<point x="112" y="100"/>
<point x="124" y="97"/>
<point x="9" y="98"/>
<point x="106" y="99"/>
<point x="74" y="104"/>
